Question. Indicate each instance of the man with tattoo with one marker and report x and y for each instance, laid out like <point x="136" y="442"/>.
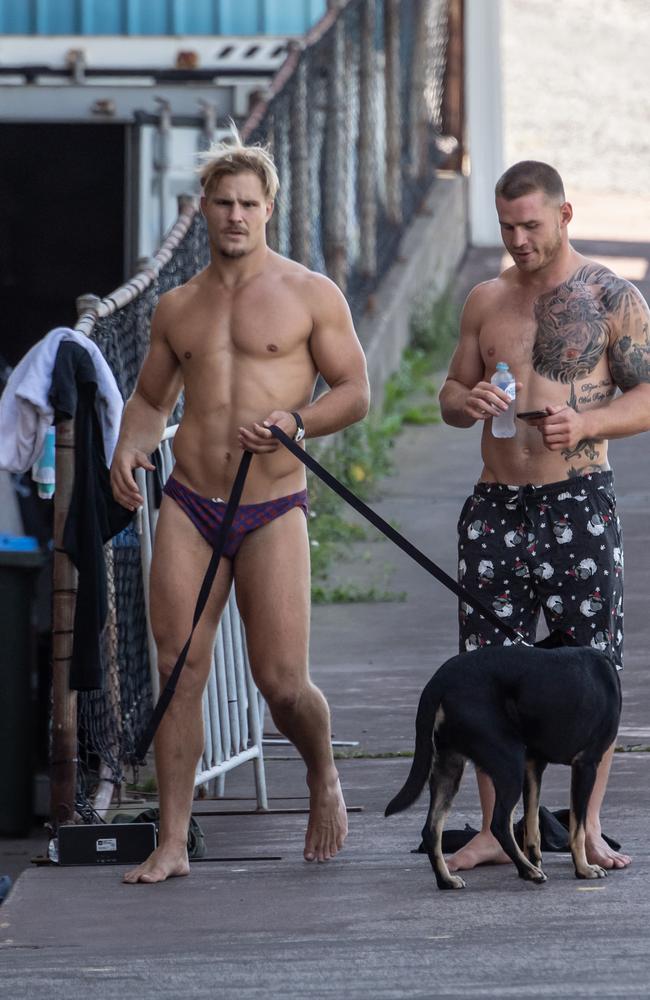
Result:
<point x="540" y="530"/>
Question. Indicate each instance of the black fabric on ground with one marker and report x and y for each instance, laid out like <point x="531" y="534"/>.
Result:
<point x="553" y="828"/>
<point x="94" y="516"/>
<point x="195" y="836"/>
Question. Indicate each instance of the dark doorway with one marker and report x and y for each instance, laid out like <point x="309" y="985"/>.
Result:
<point x="62" y="197"/>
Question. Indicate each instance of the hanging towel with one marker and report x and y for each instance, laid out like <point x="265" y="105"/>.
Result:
<point x="26" y="409"/>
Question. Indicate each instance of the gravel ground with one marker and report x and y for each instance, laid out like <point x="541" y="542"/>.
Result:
<point x="576" y="92"/>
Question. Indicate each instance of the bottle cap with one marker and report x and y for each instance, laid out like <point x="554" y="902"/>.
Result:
<point x="502" y="366"/>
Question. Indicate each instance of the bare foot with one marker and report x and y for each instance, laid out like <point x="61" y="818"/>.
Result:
<point x="483" y="849"/>
<point x="328" y="822"/>
<point x="600" y="853"/>
<point x="163" y="863"/>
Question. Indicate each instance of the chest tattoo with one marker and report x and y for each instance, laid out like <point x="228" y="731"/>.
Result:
<point x="573" y="325"/>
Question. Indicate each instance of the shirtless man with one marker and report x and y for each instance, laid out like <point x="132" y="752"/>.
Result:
<point x="246" y="339"/>
<point x="541" y="528"/>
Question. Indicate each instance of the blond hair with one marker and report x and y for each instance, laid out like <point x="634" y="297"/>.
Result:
<point x="231" y="156"/>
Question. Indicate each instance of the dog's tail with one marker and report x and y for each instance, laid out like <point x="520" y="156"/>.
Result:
<point x="423" y="756"/>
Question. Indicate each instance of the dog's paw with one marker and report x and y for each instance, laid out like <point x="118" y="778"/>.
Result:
<point x="453" y="882"/>
<point x="535" y="875"/>
<point x="592" y="871"/>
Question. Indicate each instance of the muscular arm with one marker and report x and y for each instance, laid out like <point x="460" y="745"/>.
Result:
<point x="466" y="397"/>
<point x="629" y="363"/>
<point x="340" y="360"/>
<point x="146" y="412"/>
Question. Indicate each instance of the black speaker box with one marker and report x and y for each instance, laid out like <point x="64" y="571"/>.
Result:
<point x="106" y="843"/>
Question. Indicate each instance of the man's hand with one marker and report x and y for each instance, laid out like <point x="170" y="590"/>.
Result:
<point x="258" y="438"/>
<point x="486" y="400"/>
<point x="123" y="484"/>
<point x="562" y="429"/>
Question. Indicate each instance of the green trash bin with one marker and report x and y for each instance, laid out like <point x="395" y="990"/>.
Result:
<point x="20" y="562"/>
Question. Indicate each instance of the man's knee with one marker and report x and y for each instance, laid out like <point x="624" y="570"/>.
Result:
<point x="194" y="672"/>
<point x="282" y="691"/>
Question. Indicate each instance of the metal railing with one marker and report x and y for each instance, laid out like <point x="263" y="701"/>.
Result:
<point x="233" y="709"/>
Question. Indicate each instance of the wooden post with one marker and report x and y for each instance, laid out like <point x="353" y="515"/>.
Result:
<point x="300" y="209"/>
<point x="367" y="142"/>
<point x="393" y="111"/>
<point x="335" y="170"/>
<point x="64" y="746"/>
<point x="453" y="96"/>
<point x="63" y="759"/>
<point x="106" y="786"/>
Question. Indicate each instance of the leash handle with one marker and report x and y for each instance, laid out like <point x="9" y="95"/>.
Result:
<point x="403" y="543"/>
<point x="166" y="695"/>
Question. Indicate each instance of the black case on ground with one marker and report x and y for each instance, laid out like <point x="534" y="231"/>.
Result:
<point x="106" y="843"/>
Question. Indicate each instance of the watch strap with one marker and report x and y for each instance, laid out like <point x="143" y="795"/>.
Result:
<point x="300" y="427"/>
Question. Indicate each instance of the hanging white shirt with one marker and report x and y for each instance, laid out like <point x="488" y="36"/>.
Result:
<point x="25" y="408"/>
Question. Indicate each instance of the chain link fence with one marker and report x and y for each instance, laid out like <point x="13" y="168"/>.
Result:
<point x="354" y="120"/>
<point x="112" y="720"/>
<point x="355" y="131"/>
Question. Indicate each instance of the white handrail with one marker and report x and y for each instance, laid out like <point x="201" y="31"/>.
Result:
<point x="232" y="706"/>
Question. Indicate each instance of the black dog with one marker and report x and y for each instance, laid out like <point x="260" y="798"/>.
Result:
<point x="512" y="710"/>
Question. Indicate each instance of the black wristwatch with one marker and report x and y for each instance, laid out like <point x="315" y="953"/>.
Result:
<point x="300" y="427"/>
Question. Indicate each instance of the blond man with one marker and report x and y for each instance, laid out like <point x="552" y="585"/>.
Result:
<point x="246" y="339"/>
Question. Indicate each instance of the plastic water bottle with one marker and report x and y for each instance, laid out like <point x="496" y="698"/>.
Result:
<point x="503" y="425"/>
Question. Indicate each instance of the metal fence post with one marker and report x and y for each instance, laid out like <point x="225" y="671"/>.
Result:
<point x="393" y="112"/>
<point x="367" y="142"/>
<point x="300" y="214"/>
<point x="273" y="225"/>
<point x="335" y="206"/>
<point x="419" y="124"/>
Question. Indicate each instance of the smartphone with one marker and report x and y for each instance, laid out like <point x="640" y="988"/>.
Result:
<point x="532" y="414"/>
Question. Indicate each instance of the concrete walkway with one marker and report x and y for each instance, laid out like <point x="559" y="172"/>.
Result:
<point x="371" y="924"/>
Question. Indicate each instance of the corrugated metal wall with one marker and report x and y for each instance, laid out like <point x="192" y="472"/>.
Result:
<point x="159" y="17"/>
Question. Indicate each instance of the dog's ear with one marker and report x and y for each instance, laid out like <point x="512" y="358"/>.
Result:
<point x="556" y="639"/>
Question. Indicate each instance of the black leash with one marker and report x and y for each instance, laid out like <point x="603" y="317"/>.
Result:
<point x="370" y="515"/>
<point x="166" y="695"/>
<point x="390" y="532"/>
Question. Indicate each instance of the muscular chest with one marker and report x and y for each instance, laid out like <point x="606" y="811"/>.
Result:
<point x="563" y="334"/>
<point x="222" y="330"/>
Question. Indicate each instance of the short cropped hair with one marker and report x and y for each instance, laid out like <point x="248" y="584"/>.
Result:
<point x="231" y="156"/>
<point x="528" y="176"/>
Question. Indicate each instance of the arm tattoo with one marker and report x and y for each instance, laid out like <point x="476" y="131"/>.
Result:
<point x="629" y="352"/>
<point x="630" y="361"/>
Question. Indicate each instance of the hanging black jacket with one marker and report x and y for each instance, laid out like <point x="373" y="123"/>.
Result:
<point x="94" y="516"/>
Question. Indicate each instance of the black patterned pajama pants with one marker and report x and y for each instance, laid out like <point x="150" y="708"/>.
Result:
<point x="557" y="548"/>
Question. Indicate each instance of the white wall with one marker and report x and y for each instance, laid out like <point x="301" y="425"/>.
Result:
<point x="483" y="96"/>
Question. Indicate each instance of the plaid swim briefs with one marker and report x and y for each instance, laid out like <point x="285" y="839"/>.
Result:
<point x="207" y="514"/>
